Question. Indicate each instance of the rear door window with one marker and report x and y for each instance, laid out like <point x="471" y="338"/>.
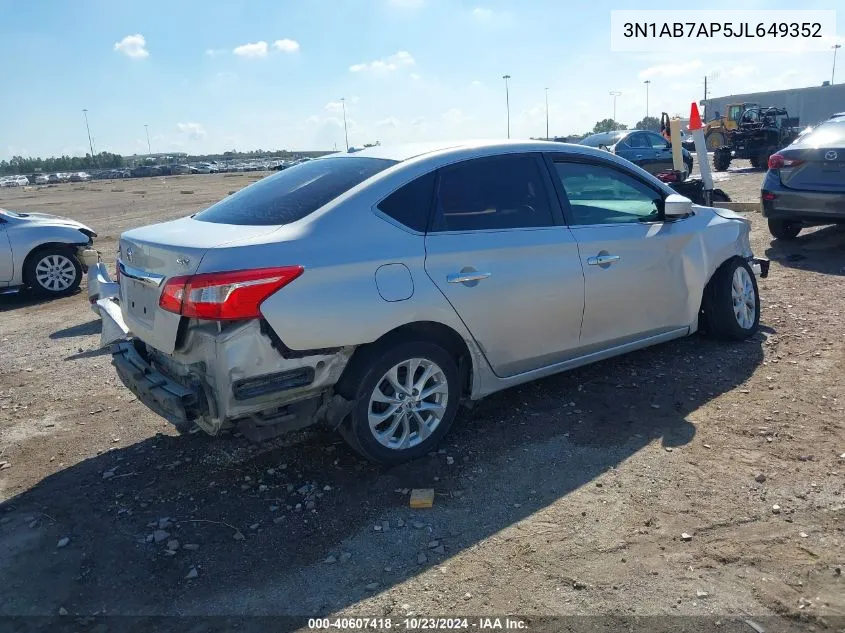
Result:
<point x="502" y="192"/>
<point x="293" y="193"/>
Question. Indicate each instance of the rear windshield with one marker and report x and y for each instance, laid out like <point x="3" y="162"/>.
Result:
<point x="826" y="135"/>
<point x="293" y="193"/>
<point x="605" y="138"/>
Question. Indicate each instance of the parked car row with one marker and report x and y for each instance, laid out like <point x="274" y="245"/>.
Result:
<point x="14" y="181"/>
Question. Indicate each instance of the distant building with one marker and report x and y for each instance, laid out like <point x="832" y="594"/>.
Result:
<point x="806" y="106"/>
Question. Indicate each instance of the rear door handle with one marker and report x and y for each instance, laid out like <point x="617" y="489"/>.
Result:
<point x="603" y="260"/>
<point x="462" y="278"/>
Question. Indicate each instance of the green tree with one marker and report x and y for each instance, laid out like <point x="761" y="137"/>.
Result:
<point x="648" y="123"/>
<point x="608" y="125"/>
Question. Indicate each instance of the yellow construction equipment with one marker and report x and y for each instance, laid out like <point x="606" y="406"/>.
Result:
<point x="717" y="130"/>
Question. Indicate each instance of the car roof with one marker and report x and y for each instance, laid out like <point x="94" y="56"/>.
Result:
<point x="406" y="151"/>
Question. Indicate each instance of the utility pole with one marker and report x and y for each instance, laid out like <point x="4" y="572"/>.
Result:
<point x="88" y="129"/>
<point x="547" y="114"/>
<point x="345" y="132"/>
<point x="646" y="82"/>
<point x="147" y="129"/>
<point x="835" y="48"/>
<point x="507" y="102"/>
<point x="614" y="94"/>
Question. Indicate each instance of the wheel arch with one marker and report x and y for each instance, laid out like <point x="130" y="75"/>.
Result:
<point x="430" y="331"/>
<point x="68" y="247"/>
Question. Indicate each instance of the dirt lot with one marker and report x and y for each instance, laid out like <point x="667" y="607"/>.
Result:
<point x="566" y="496"/>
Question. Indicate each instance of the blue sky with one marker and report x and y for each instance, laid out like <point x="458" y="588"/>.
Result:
<point x="215" y="75"/>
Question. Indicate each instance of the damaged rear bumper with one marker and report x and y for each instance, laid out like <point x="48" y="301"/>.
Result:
<point x="222" y="376"/>
<point x="178" y="404"/>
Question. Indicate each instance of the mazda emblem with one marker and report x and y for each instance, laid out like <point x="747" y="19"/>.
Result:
<point x="183" y="261"/>
<point x="831" y="155"/>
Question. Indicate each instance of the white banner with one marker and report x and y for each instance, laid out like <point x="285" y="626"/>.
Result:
<point x="717" y="31"/>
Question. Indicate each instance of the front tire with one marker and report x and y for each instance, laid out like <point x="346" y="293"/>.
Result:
<point x="784" y="229"/>
<point x="53" y="272"/>
<point x="731" y="305"/>
<point x="721" y="159"/>
<point x="406" y="398"/>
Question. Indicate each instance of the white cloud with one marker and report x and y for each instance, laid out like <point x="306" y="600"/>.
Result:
<point x="133" y="46"/>
<point x="415" y="76"/>
<point x="418" y="121"/>
<point x="334" y="106"/>
<point x="193" y="131"/>
<point x="671" y="70"/>
<point x="388" y="122"/>
<point x="455" y="116"/>
<point x="286" y="45"/>
<point x="210" y="52"/>
<point x="475" y="83"/>
<point x="253" y="49"/>
<point x="481" y="13"/>
<point x="397" y="60"/>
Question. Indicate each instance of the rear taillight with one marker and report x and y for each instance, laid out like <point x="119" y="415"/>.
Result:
<point x="767" y="196"/>
<point x="225" y="296"/>
<point x="779" y="161"/>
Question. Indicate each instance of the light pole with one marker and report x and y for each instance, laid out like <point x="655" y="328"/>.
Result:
<point x="147" y="129"/>
<point x="646" y="82"/>
<point x="547" y="114"/>
<point x="88" y="129"/>
<point x="614" y="94"/>
<point x="835" y="48"/>
<point x="345" y="132"/>
<point x="507" y="102"/>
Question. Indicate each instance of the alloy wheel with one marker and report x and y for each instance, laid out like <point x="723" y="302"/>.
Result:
<point x="743" y="297"/>
<point x="55" y="273"/>
<point x="408" y="403"/>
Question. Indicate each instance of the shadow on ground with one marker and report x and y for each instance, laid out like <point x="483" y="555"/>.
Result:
<point x="25" y="298"/>
<point x="821" y="251"/>
<point x="266" y="520"/>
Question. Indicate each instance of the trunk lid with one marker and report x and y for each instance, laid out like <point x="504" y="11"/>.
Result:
<point x="822" y="169"/>
<point x="151" y="255"/>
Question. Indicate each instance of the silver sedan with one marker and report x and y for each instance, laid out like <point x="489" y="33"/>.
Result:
<point x="42" y="252"/>
<point x="375" y="291"/>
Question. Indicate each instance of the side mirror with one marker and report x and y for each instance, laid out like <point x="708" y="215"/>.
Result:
<point x="676" y="206"/>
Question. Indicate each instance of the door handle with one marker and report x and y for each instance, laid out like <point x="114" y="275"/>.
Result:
<point x="462" y="278"/>
<point x="638" y="156"/>
<point x="603" y="260"/>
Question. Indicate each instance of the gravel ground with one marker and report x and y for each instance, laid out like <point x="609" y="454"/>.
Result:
<point x="694" y="478"/>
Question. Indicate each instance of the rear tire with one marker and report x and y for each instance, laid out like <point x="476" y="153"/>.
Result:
<point x="721" y="160"/>
<point x="52" y="271"/>
<point x="392" y="420"/>
<point x="784" y="229"/>
<point x="731" y="302"/>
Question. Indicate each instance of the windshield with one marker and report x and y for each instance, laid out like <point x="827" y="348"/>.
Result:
<point x="293" y="193"/>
